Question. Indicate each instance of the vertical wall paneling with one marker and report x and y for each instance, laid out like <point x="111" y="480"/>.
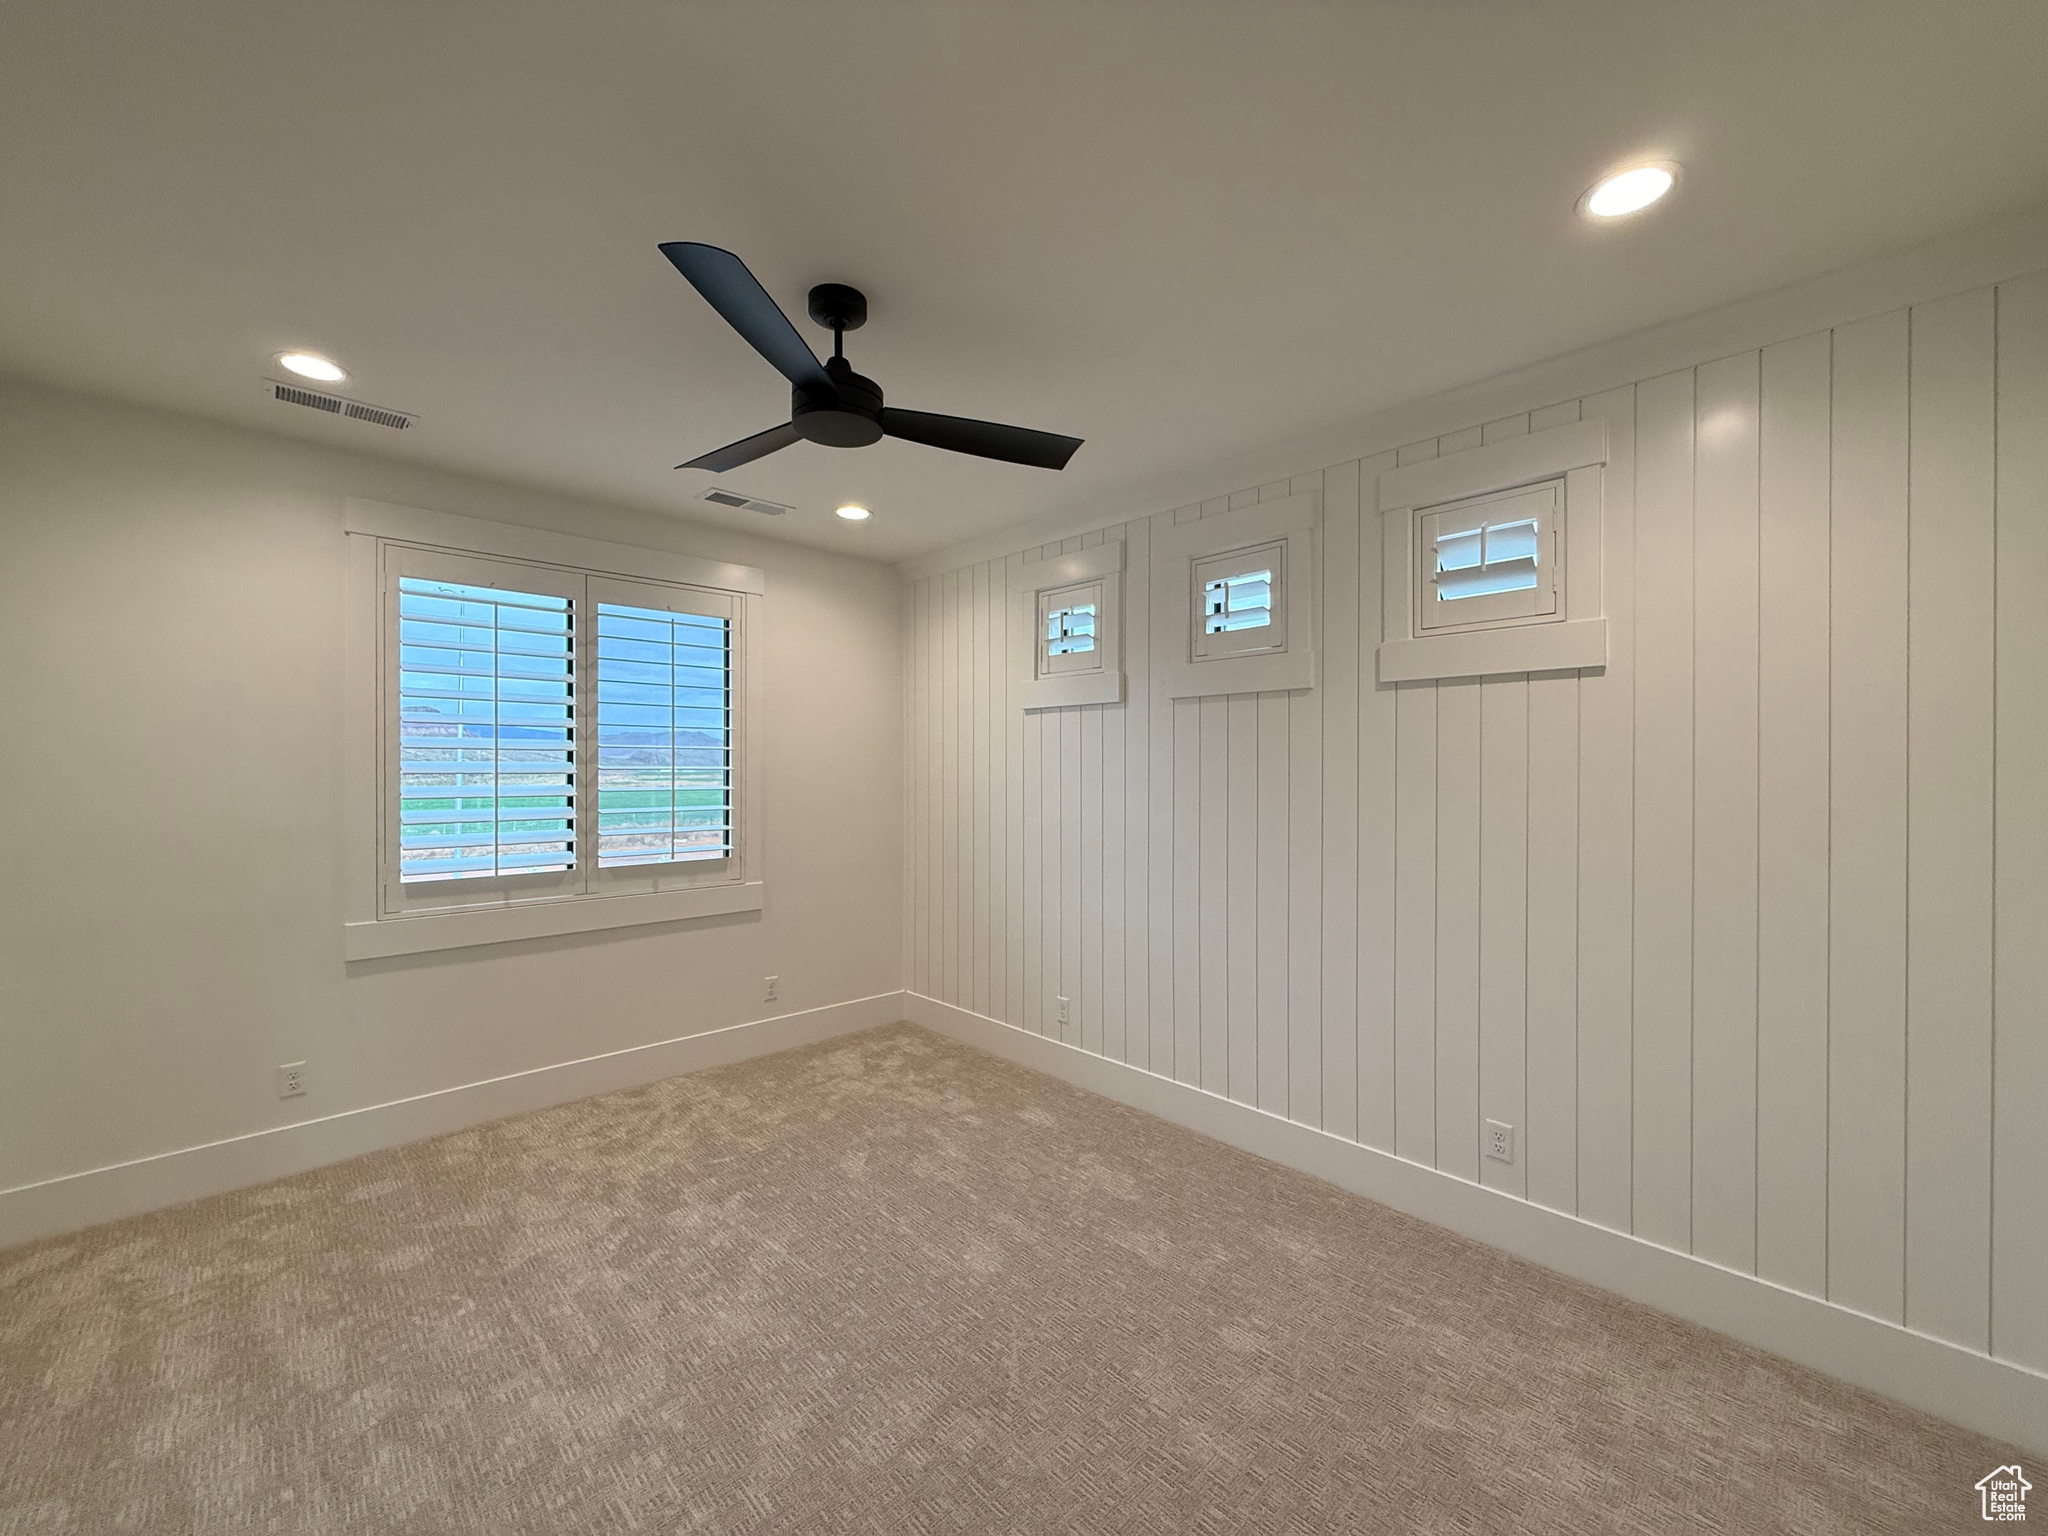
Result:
<point x="1343" y="943"/>
<point x="1190" y="1007"/>
<point x="1269" y="920"/>
<point x="1549" y="1134"/>
<point x="993" y="664"/>
<point x="1377" y="825"/>
<point x="1214" y="852"/>
<point x="1239" y="792"/>
<point x="1015" y="763"/>
<point x="1724" y="1040"/>
<point x="1031" y="856"/>
<point x="917" y="745"/>
<point x="1664" y="810"/>
<point x="950" y="780"/>
<point x="1949" y="738"/>
<point x="1606" y="1053"/>
<point x="1115" y="915"/>
<point x="1792" y="815"/>
<point x="935" y="850"/>
<point x="975" y="797"/>
<point x="1065" y="770"/>
<point x="1867" y="819"/>
<point x="2019" y="1236"/>
<point x="1550" y="1137"/>
<point x="1745" y="932"/>
<point x="1504" y="920"/>
<point x="1301" y="870"/>
<point x="1160" y="852"/>
<point x="1458" y="810"/>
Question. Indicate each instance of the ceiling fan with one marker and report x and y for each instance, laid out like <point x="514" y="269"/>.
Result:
<point x="830" y="403"/>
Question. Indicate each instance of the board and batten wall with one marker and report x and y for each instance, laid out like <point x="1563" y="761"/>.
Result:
<point x="1746" y="934"/>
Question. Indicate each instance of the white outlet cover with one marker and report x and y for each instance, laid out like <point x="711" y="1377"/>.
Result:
<point x="1500" y="1141"/>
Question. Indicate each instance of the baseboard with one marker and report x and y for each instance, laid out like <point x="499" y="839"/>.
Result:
<point x="1993" y="1397"/>
<point x="127" y="1189"/>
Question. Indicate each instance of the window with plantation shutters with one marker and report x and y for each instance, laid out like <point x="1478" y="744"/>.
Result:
<point x="547" y="734"/>
<point x="1488" y="559"/>
<point x="1242" y="601"/>
<point x="662" y="661"/>
<point x="486" y="731"/>
<point x="1070" y="630"/>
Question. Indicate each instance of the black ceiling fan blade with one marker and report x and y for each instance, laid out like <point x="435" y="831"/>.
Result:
<point x="737" y="294"/>
<point x="746" y="450"/>
<point x="984" y="439"/>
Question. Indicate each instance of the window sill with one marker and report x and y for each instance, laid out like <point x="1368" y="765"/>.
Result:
<point x="376" y="940"/>
<point x="1554" y="647"/>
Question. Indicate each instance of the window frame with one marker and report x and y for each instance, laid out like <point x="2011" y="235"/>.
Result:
<point x="385" y="917"/>
<point x="1537" y="604"/>
<point x="1047" y="682"/>
<point x="1060" y="599"/>
<point x="1267" y="638"/>
<point x="1572" y="638"/>
<point x="1184" y="664"/>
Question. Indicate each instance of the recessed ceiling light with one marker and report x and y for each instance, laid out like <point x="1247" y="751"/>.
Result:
<point x="855" y="513"/>
<point x="311" y="365"/>
<point x="1629" y="191"/>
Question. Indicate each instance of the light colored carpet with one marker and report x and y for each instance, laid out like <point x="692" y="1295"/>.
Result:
<point x="887" y="1284"/>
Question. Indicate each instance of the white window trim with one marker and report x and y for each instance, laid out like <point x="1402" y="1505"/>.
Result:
<point x="367" y="931"/>
<point x="1177" y="605"/>
<point x="1576" y="452"/>
<point x="1104" y="684"/>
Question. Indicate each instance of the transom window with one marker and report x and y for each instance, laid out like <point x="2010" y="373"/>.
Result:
<point x="1241" y="601"/>
<point x="553" y="732"/>
<point x="1489" y="559"/>
<point x="1069" y="629"/>
<point x="1496" y="557"/>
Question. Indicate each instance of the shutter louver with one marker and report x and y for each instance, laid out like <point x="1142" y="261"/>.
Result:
<point x="486" y="749"/>
<point x="1495" y="557"/>
<point x="1237" y="602"/>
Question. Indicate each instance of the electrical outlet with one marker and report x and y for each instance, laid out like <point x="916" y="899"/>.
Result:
<point x="1063" y="1012"/>
<point x="774" y="990"/>
<point x="291" y="1080"/>
<point x="1500" y="1141"/>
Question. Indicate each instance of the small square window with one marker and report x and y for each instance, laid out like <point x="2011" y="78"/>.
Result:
<point x="1488" y="561"/>
<point x="1068" y="639"/>
<point x="1242" y="600"/>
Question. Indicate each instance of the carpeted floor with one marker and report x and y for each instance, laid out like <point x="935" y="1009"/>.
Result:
<point x="887" y="1284"/>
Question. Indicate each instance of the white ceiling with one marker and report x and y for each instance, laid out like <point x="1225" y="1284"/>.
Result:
<point x="1179" y="230"/>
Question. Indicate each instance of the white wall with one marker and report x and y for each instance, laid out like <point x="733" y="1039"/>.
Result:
<point x="170" y="913"/>
<point x="1747" y="933"/>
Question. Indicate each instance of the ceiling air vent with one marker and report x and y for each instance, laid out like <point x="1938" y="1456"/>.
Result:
<point x="744" y="503"/>
<point x="337" y="405"/>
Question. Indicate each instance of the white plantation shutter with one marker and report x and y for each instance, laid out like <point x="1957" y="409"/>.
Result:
<point x="551" y="733"/>
<point x="483" y="781"/>
<point x="1242" y="598"/>
<point x="1243" y="601"/>
<point x="664" y="728"/>
<point x="1488" y="558"/>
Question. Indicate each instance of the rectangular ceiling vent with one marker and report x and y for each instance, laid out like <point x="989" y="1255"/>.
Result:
<point x="721" y="498"/>
<point x="337" y="405"/>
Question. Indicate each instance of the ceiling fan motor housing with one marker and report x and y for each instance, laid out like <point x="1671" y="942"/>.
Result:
<point x="849" y="415"/>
